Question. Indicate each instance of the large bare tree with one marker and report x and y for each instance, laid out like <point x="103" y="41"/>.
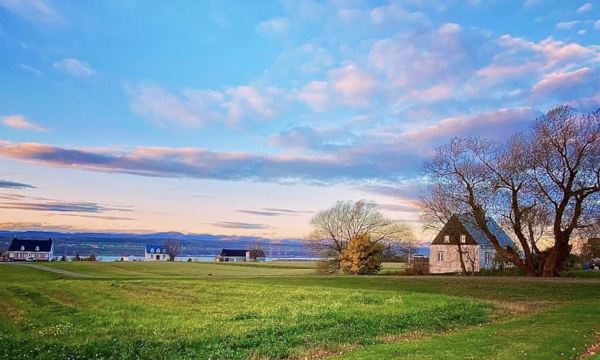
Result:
<point x="545" y="182"/>
<point x="175" y="248"/>
<point x="335" y="227"/>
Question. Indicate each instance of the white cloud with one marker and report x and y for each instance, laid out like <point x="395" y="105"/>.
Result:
<point x="21" y="123"/>
<point x="582" y="32"/>
<point x="74" y="67"/>
<point x="274" y="26"/>
<point x="566" y="25"/>
<point x="315" y="94"/>
<point x="584" y="8"/>
<point x="196" y="107"/>
<point x="32" y="10"/>
<point x="247" y="101"/>
<point x="597" y="24"/>
<point x="193" y="110"/>
<point x="30" y="69"/>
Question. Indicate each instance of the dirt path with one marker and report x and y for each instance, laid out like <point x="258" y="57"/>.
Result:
<point x="47" y="268"/>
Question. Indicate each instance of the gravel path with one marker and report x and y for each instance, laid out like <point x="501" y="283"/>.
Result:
<point x="58" y="271"/>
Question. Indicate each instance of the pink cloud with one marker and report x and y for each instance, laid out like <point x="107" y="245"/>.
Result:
<point x="21" y="123"/>
<point x="354" y="85"/>
<point x="561" y="81"/>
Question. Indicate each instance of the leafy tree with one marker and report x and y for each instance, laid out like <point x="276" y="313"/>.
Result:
<point x="63" y="258"/>
<point x="362" y="256"/>
<point x="76" y="258"/>
<point x="334" y="228"/>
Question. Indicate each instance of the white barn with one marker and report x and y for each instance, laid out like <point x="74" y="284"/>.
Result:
<point x="31" y="250"/>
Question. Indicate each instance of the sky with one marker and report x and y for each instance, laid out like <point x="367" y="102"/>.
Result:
<point x="247" y="118"/>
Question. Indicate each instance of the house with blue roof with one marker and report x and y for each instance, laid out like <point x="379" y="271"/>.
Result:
<point x="461" y="239"/>
<point x="156" y="253"/>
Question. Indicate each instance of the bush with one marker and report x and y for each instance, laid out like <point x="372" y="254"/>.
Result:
<point x="362" y="257"/>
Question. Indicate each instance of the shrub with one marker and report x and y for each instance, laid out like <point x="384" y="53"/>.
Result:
<point x="362" y="257"/>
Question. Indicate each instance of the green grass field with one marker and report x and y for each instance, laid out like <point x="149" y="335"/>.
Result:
<point x="281" y="311"/>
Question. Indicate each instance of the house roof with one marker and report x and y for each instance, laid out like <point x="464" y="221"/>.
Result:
<point x="241" y="253"/>
<point x="31" y="245"/>
<point x="157" y="249"/>
<point x="479" y="236"/>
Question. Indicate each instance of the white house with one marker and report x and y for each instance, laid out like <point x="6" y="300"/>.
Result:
<point x="31" y="250"/>
<point x="461" y="237"/>
<point x="156" y="253"/>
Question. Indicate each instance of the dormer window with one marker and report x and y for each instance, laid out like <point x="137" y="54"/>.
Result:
<point x="37" y="248"/>
<point x="447" y="239"/>
<point x="463" y="239"/>
<point x="22" y="248"/>
<point x="164" y="251"/>
<point x="152" y="250"/>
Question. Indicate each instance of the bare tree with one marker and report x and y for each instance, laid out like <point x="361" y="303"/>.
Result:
<point x="174" y="247"/>
<point x="335" y="227"/>
<point x="545" y="181"/>
<point x="256" y="245"/>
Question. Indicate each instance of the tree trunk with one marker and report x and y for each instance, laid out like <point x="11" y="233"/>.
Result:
<point x="553" y="260"/>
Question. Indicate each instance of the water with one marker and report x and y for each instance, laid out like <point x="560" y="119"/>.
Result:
<point x="202" y="258"/>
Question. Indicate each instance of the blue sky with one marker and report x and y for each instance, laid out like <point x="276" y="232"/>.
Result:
<point x="236" y="118"/>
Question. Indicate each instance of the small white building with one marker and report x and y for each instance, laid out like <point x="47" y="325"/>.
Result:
<point x="461" y="237"/>
<point x="31" y="250"/>
<point x="156" y="253"/>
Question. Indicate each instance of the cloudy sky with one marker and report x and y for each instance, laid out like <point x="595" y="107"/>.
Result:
<point x="228" y="117"/>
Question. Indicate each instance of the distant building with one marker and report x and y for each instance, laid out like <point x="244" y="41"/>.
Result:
<point x="232" y="255"/>
<point x="31" y="250"/>
<point x="129" y="258"/>
<point x="156" y="253"/>
<point x="475" y="247"/>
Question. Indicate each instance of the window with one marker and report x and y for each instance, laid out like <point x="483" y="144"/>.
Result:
<point x="441" y="256"/>
<point x="164" y="251"/>
<point x="152" y="250"/>
<point x="37" y="248"/>
<point x="447" y="239"/>
<point x="489" y="257"/>
<point x="463" y="239"/>
<point x="22" y="248"/>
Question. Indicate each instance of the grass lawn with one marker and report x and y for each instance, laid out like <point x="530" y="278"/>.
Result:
<point x="584" y="274"/>
<point x="278" y="310"/>
<point x="183" y="269"/>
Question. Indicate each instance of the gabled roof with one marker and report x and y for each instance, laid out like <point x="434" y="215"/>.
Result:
<point x="233" y="252"/>
<point x="479" y="236"/>
<point x="31" y="245"/>
<point x="157" y="249"/>
<point x="241" y="253"/>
